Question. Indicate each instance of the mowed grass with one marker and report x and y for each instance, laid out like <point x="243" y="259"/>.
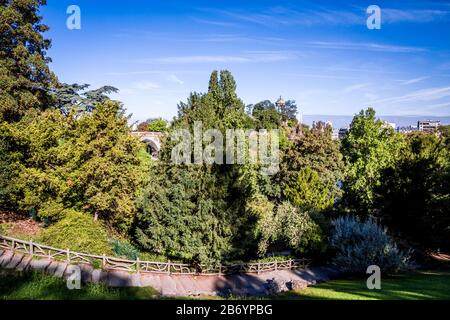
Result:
<point x="419" y="285"/>
<point x="39" y="286"/>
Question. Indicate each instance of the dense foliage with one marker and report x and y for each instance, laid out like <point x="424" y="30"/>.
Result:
<point x="77" y="232"/>
<point x="86" y="161"/>
<point x="369" y="147"/>
<point x="67" y="158"/>
<point x="25" y="78"/>
<point x="414" y="195"/>
<point x="153" y="125"/>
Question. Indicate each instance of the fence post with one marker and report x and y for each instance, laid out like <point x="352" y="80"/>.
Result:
<point x="14" y="245"/>
<point x="258" y="267"/>
<point x="104" y="261"/>
<point x="31" y="248"/>
<point x="68" y="255"/>
<point x="276" y="265"/>
<point x="168" y="267"/>
<point x="137" y="265"/>
<point x="290" y="264"/>
<point x="220" y="269"/>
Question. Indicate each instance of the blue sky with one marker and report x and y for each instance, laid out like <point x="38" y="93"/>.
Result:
<point x="319" y="53"/>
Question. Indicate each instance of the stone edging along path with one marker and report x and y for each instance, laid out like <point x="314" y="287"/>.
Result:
<point x="173" y="284"/>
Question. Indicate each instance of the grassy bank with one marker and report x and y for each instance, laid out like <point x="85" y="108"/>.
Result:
<point x="36" y="285"/>
<point x="418" y="285"/>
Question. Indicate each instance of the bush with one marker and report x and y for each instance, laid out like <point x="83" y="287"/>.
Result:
<point x="297" y="229"/>
<point x="78" y="232"/>
<point x="125" y="249"/>
<point x="361" y="244"/>
<point x="290" y="227"/>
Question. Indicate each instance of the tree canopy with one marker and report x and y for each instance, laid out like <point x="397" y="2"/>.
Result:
<point x="25" y="78"/>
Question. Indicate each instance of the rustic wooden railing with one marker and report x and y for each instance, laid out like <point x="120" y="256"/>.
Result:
<point x="113" y="263"/>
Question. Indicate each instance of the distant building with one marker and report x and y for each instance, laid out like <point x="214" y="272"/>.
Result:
<point x="428" y="125"/>
<point x="406" y="129"/>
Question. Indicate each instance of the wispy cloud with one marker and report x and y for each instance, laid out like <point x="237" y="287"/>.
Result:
<point x="247" y="57"/>
<point x="218" y="23"/>
<point x="370" y="96"/>
<point x="131" y="73"/>
<point x="363" y="46"/>
<point x="173" y="78"/>
<point x="236" y="38"/>
<point x="355" y="87"/>
<point x="419" y="95"/>
<point x="146" y="85"/>
<point x="351" y="15"/>
<point x="280" y="15"/>
<point x="413" y="15"/>
<point x="412" y="81"/>
<point x="320" y="76"/>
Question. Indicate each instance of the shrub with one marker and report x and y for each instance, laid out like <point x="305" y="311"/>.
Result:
<point x="125" y="249"/>
<point x="361" y="244"/>
<point x="297" y="229"/>
<point x="289" y="226"/>
<point x="78" y="232"/>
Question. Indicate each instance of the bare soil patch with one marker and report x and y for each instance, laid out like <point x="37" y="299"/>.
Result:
<point x="19" y="226"/>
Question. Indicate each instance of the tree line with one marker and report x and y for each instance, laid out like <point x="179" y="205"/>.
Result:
<point x="65" y="149"/>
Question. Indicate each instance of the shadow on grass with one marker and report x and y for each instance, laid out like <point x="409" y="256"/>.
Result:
<point x="423" y="285"/>
<point x="39" y="286"/>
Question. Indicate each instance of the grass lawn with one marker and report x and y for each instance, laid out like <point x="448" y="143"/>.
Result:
<point x="39" y="286"/>
<point x="418" y="285"/>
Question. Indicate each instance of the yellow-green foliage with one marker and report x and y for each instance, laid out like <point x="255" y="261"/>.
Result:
<point x="78" y="232"/>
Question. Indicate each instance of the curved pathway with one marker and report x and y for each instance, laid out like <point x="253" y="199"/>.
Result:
<point x="171" y="285"/>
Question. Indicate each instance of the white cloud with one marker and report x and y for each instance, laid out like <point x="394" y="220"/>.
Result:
<point x="215" y="22"/>
<point x="354" y="15"/>
<point x="355" y="87"/>
<point x="173" y="78"/>
<point x="131" y="73"/>
<point x="363" y="46"/>
<point x="411" y="81"/>
<point x="146" y="85"/>
<point x="370" y="96"/>
<point x="250" y="56"/>
<point x="414" y="15"/>
<point x="419" y="95"/>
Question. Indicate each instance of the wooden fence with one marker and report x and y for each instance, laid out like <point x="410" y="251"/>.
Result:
<point x="112" y="263"/>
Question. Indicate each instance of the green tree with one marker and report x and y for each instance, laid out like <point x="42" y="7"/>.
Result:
<point x="77" y="96"/>
<point x="286" y="226"/>
<point x="87" y="161"/>
<point x="311" y="170"/>
<point x="266" y="115"/>
<point x="289" y="111"/>
<point x="25" y="78"/>
<point x="369" y="147"/>
<point x="197" y="212"/>
<point x="414" y="195"/>
<point x="157" y="125"/>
